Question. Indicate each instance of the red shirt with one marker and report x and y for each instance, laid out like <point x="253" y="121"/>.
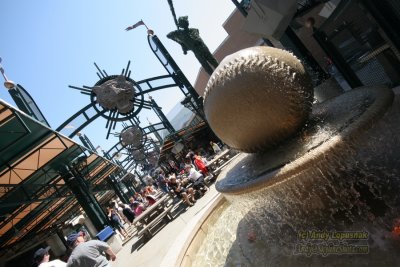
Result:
<point x="200" y="165"/>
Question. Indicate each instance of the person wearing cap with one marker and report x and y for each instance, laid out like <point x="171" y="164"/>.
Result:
<point x="42" y="259"/>
<point x="88" y="253"/>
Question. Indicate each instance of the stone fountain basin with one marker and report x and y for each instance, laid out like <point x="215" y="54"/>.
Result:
<point x="188" y="242"/>
<point x="376" y="134"/>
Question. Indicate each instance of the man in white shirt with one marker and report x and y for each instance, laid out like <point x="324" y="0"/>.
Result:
<point x="197" y="178"/>
<point x="193" y="175"/>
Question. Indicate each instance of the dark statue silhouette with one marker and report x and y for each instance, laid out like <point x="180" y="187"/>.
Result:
<point x="189" y="39"/>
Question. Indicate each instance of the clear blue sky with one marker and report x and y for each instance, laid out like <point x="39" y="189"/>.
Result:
<point x="47" y="45"/>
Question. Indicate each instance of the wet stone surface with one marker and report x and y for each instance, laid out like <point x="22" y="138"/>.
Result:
<point x="311" y="216"/>
<point x="336" y="118"/>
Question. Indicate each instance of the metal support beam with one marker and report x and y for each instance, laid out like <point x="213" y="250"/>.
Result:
<point x="240" y="7"/>
<point x="302" y="52"/>
<point x="25" y="102"/>
<point x="29" y="201"/>
<point x="86" y="141"/>
<point x="387" y="18"/>
<point x="172" y="68"/>
<point x="155" y="132"/>
<point x="86" y="199"/>
<point x="117" y="189"/>
<point x="130" y="187"/>
<point x="161" y="116"/>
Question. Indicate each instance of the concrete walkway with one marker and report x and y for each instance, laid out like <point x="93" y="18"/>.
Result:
<point x="152" y="253"/>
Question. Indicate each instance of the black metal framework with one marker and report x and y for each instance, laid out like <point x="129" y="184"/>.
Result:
<point x="76" y="179"/>
<point x="242" y="6"/>
<point x="161" y="116"/>
<point x="135" y="129"/>
<point x="149" y="150"/>
<point x="33" y="194"/>
<point x="50" y="184"/>
<point x="113" y="182"/>
<point x="25" y="102"/>
<point x="93" y="111"/>
<point x="32" y="182"/>
<point x="176" y="73"/>
<point x="86" y="141"/>
<point x="148" y="143"/>
<point x="387" y="13"/>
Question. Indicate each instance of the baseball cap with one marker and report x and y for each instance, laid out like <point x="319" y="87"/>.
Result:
<point x="73" y="237"/>
<point x="40" y="253"/>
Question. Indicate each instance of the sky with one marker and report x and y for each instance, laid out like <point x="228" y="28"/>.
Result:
<point x="47" y="45"/>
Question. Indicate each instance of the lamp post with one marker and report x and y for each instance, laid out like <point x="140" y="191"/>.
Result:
<point x="7" y="83"/>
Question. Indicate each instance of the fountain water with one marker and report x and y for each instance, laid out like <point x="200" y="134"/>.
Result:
<point x="327" y="194"/>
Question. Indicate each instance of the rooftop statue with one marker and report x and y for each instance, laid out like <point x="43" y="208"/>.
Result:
<point x="189" y="39"/>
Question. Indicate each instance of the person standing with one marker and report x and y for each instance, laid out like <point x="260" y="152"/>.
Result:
<point x="88" y="253"/>
<point x="197" y="178"/>
<point x="42" y="259"/>
<point x="162" y="182"/>
<point x="119" y="209"/>
<point x="128" y="213"/>
<point x="215" y="147"/>
<point x="199" y="163"/>
<point x="137" y="208"/>
<point x="116" y="222"/>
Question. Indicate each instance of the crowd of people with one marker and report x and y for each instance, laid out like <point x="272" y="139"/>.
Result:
<point x="186" y="182"/>
<point x="121" y="214"/>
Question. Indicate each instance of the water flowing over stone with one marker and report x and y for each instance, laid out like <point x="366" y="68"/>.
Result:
<point x="351" y="186"/>
<point x="258" y="97"/>
<point x="327" y="194"/>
